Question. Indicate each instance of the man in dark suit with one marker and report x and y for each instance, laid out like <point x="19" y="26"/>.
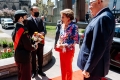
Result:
<point x="94" y="55"/>
<point x="35" y="24"/>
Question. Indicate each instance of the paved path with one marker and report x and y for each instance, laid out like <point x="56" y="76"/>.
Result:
<point x="53" y="68"/>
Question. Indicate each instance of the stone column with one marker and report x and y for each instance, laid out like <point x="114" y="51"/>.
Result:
<point x="75" y="9"/>
<point x="80" y="10"/>
<point x="67" y="4"/>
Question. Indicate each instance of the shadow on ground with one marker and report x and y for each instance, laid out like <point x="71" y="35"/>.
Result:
<point x="50" y="64"/>
<point x="115" y="69"/>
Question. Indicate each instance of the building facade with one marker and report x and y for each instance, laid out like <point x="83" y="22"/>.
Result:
<point x="15" y="4"/>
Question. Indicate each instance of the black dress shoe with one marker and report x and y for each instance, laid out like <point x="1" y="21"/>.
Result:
<point x="33" y="75"/>
<point x="41" y="73"/>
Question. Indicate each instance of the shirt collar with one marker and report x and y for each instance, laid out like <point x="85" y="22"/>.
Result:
<point x="101" y="11"/>
<point x="33" y="17"/>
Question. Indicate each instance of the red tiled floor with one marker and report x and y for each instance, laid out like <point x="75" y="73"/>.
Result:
<point x="77" y="75"/>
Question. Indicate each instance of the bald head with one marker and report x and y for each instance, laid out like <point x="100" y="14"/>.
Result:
<point x="104" y="2"/>
<point x="96" y="5"/>
<point x="33" y="7"/>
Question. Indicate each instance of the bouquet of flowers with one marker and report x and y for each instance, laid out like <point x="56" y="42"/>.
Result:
<point x="38" y="38"/>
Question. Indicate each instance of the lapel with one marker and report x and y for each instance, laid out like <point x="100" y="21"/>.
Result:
<point x="34" y="22"/>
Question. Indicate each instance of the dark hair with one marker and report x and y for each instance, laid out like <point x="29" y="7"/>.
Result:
<point x="17" y="17"/>
<point x="18" y="14"/>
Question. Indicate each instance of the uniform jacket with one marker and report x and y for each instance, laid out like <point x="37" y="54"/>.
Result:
<point x="22" y="52"/>
<point x="94" y="55"/>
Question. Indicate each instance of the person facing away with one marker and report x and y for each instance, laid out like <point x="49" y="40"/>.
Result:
<point x="94" y="54"/>
<point x="58" y="27"/>
<point x="35" y="24"/>
<point x="44" y="24"/>
<point x="87" y="17"/>
<point x="22" y="46"/>
<point x="68" y="37"/>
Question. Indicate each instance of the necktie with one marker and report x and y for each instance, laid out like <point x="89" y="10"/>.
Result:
<point x="36" y="22"/>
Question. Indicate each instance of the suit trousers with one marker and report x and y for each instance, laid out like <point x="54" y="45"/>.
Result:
<point x="39" y="53"/>
<point x="24" y="71"/>
<point x="66" y="64"/>
<point x="93" y="78"/>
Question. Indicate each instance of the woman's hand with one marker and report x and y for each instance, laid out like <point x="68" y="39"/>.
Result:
<point x="61" y="45"/>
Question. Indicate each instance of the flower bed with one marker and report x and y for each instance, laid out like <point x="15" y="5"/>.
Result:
<point x="6" y="49"/>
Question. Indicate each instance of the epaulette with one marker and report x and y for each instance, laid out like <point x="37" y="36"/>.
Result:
<point x="25" y="32"/>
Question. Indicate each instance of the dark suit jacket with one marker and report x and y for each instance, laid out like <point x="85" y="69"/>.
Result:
<point x="32" y="27"/>
<point x="94" y="55"/>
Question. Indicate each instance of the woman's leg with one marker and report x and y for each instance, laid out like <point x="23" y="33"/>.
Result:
<point x="63" y="65"/>
<point x="69" y="59"/>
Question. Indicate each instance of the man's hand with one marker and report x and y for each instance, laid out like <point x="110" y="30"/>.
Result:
<point x="42" y="33"/>
<point x="86" y="74"/>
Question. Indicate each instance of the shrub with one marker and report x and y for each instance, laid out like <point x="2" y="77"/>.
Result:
<point x="6" y="55"/>
<point x="10" y="44"/>
<point x="82" y="31"/>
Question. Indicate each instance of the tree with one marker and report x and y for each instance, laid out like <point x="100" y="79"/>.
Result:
<point x="6" y="12"/>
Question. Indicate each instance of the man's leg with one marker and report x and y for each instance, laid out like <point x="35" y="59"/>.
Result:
<point x="93" y="78"/>
<point x="40" y="59"/>
<point x="33" y="63"/>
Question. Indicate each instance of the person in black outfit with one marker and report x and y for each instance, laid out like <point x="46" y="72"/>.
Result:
<point x="22" y="46"/>
<point x="44" y="24"/>
<point x="87" y="17"/>
<point x="58" y="27"/>
<point x="35" y="24"/>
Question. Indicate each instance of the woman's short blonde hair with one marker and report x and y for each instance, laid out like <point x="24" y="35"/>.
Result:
<point x="68" y="13"/>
